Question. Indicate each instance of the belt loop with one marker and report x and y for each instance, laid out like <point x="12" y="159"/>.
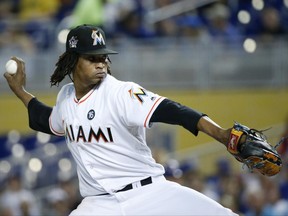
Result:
<point x="136" y="184"/>
<point x="133" y="185"/>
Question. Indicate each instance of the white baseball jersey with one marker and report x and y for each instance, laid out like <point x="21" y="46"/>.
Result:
<point x="105" y="132"/>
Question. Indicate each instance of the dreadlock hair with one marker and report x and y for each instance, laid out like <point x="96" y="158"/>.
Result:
<point x="66" y="65"/>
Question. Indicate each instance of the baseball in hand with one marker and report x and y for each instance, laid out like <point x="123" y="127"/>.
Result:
<point x="11" y="67"/>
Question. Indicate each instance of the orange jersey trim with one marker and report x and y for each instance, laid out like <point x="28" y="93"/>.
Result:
<point x="152" y="108"/>
<point x="53" y="130"/>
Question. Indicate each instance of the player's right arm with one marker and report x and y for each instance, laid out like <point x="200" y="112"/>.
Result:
<point x="17" y="82"/>
<point x="38" y="112"/>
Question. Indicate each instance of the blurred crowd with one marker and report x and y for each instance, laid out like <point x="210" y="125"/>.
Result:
<point x="59" y="200"/>
<point x="34" y="24"/>
<point x="248" y="194"/>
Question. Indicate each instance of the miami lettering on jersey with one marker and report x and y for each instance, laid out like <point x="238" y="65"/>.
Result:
<point x="79" y="134"/>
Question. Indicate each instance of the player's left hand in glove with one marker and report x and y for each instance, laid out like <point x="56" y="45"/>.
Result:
<point x="251" y="147"/>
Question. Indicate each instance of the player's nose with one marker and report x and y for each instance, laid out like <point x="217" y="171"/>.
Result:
<point x="99" y="65"/>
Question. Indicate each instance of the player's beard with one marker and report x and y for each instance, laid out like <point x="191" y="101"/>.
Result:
<point x="100" y="81"/>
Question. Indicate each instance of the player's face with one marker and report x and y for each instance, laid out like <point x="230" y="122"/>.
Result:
<point x="91" y="69"/>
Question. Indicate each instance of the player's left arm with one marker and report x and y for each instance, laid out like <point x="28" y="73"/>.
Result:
<point x="209" y="127"/>
<point x="172" y="112"/>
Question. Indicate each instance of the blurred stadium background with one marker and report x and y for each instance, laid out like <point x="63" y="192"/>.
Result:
<point x="225" y="58"/>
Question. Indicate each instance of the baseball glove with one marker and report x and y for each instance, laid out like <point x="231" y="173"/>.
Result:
<point x="250" y="147"/>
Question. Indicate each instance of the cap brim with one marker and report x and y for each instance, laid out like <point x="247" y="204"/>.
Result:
<point x="99" y="52"/>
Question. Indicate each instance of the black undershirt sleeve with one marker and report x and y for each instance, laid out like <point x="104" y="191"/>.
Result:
<point x="39" y="114"/>
<point x="171" y="112"/>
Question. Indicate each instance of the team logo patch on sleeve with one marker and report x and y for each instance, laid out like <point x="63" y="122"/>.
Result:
<point x="138" y="93"/>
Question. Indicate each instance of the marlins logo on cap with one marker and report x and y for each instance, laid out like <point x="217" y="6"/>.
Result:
<point x="87" y="39"/>
<point x="98" y="38"/>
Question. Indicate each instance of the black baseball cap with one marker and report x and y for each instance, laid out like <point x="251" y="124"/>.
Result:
<point x="87" y="39"/>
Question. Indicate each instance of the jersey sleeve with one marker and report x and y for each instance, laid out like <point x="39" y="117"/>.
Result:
<point x="137" y="104"/>
<point x="55" y="119"/>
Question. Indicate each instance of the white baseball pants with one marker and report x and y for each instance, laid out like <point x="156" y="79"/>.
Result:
<point x="162" y="197"/>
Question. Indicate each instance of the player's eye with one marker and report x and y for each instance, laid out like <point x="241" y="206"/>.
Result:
<point x="102" y="58"/>
<point x="96" y="58"/>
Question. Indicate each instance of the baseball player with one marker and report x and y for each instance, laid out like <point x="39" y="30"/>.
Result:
<point x="104" y="120"/>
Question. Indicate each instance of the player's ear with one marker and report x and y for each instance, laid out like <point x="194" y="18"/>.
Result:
<point x="109" y="70"/>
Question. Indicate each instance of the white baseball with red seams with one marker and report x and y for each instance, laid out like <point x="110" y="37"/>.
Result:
<point x="105" y="132"/>
<point x="11" y="66"/>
